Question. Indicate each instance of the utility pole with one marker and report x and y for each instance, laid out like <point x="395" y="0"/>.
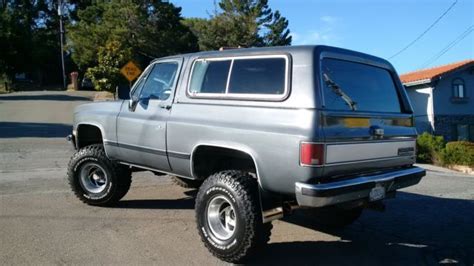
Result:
<point x="61" y="37"/>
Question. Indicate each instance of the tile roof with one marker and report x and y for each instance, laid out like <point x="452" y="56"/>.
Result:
<point x="430" y="73"/>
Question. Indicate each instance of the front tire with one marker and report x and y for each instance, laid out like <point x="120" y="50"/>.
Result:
<point x="95" y="179"/>
<point x="229" y="217"/>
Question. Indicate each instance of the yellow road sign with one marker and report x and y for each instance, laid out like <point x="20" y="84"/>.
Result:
<point x="130" y="71"/>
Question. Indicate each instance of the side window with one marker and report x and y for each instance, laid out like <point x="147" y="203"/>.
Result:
<point x="159" y="83"/>
<point x="258" y="76"/>
<point x="210" y="76"/>
<point x="139" y="84"/>
<point x="458" y="88"/>
<point x="262" y="77"/>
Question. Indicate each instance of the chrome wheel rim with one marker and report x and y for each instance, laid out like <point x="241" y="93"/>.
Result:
<point x="221" y="218"/>
<point x="93" y="177"/>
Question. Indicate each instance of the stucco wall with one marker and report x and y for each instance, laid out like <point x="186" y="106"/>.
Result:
<point x="420" y="100"/>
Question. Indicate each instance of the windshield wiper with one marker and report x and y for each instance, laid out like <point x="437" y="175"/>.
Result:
<point x="338" y="91"/>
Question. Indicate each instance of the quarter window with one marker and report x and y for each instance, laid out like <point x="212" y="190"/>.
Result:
<point x="210" y="76"/>
<point x="458" y="88"/>
<point x="258" y="76"/>
<point x="251" y="77"/>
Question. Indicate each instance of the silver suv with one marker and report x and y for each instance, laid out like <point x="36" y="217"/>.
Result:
<point x="258" y="131"/>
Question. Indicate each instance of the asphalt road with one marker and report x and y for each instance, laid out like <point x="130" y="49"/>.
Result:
<point x="41" y="222"/>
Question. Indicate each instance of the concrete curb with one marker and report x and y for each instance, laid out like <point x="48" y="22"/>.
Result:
<point x="103" y="96"/>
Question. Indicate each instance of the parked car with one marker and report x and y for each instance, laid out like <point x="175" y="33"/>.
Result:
<point x="259" y="132"/>
<point x="87" y="84"/>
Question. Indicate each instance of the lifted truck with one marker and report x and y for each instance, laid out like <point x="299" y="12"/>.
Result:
<point x="258" y="131"/>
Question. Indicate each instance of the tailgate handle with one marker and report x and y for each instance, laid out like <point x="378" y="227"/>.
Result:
<point x="376" y="131"/>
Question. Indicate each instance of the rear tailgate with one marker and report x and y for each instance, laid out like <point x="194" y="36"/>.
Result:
<point x="367" y="124"/>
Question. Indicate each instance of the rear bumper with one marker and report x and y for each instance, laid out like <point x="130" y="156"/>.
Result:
<point x="319" y="195"/>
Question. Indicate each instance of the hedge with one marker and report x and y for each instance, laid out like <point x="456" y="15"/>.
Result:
<point x="429" y="148"/>
<point x="433" y="149"/>
<point x="458" y="152"/>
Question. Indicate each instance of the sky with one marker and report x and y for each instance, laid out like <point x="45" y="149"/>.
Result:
<point x="378" y="27"/>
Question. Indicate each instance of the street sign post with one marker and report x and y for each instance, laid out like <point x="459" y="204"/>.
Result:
<point x="130" y="71"/>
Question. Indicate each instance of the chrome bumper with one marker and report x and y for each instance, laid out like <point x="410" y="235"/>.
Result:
<point x="319" y="195"/>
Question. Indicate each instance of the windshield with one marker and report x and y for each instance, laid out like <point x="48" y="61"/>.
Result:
<point x="358" y="87"/>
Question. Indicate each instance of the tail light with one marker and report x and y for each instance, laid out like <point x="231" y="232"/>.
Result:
<point x="311" y="154"/>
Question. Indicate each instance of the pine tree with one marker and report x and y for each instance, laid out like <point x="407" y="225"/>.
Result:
<point x="278" y="33"/>
<point x="243" y="23"/>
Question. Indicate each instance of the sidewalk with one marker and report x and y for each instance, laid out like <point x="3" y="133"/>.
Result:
<point x="434" y="168"/>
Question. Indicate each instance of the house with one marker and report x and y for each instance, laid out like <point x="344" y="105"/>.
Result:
<point x="443" y="99"/>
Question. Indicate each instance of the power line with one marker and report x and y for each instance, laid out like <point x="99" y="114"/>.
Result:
<point x="428" y="29"/>
<point x="461" y="37"/>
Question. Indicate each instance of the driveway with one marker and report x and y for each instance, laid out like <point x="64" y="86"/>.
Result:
<point x="41" y="222"/>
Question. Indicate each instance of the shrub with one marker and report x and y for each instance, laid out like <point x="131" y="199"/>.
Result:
<point x="106" y="75"/>
<point x="458" y="152"/>
<point x="429" y="148"/>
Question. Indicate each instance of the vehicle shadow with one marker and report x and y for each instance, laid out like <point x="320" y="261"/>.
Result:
<point x="414" y="230"/>
<point x="34" y="130"/>
<point x="45" y="97"/>
<point x="183" y="203"/>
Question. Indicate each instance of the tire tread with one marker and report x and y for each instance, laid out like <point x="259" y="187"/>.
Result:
<point x="257" y="233"/>
<point x="122" y="174"/>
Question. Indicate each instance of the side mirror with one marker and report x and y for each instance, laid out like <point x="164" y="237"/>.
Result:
<point x="122" y="92"/>
<point x="132" y="104"/>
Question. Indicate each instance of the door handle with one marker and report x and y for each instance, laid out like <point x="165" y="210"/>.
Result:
<point x="165" y="106"/>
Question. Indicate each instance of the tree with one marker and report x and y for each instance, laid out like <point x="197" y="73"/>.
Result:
<point x="29" y="39"/>
<point x="106" y="75"/>
<point x="244" y="23"/>
<point x="278" y="33"/>
<point x="149" y="29"/>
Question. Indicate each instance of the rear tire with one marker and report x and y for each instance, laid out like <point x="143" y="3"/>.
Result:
<point x="335" y="217"/>
<point x="228" y="216"/>
<point x="95" y="179"/>
<point x="186" y="183"/>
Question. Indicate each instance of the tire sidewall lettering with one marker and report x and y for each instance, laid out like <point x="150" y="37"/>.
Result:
<point x="92" y="196"/>
<point x="210" y="192"/>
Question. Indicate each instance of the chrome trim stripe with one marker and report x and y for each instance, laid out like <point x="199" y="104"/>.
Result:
<point x="359" y="152"/>
<point x="371" y="160"/>
<point x="178" y="155"/>
<point x="326" y="144"/>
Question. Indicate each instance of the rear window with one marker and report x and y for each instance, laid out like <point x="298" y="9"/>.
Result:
<point x="358" y="87"/>
<point x="253" y="77"/>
